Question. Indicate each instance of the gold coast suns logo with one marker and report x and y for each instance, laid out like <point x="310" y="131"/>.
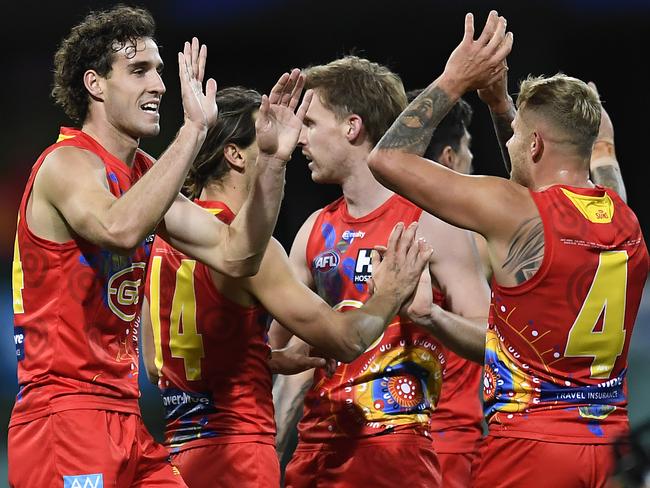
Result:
<point x="123" y="291"/>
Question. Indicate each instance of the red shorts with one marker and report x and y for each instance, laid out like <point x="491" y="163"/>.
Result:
<point x="458" y="469"/>
<point x="390" y="460"/>
<point x="240" y="465"/>
<point x="88" y="448"/>
<point x="508" y="462"/>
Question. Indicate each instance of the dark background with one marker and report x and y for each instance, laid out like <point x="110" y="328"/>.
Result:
<point x="251" y="42"/>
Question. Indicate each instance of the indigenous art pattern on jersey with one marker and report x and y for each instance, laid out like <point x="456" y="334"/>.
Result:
<point x="556" y="347"/>
<point x="395" y="384"/>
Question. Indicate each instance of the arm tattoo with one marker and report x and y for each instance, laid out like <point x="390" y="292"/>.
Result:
<point x="609" y="177"/>
<point x="503" y="130"/>
<point x="412" y="130"/>
<point x="526" y="250"/>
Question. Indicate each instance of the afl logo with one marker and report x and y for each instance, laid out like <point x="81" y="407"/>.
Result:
<point x="326" y="261"/>
<point x="124" y="291"/>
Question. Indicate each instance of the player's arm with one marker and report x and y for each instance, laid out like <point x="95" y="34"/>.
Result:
<point x="603" y="166"/>
<point x="279" y="336"/>
<point x="464" y="201"/>
<point x="502" y="112"/>
<point x="73" y="181"/>
<point x="458" y="272"/>
<point x="342" y="336"/>
<point x="147" y="344"/>
<point x="237" y="249"/>
<point x="288" y="399"/>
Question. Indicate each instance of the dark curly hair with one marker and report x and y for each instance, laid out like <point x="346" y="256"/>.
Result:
<point x="235" y="125"/>
<point x="91" y="45"/>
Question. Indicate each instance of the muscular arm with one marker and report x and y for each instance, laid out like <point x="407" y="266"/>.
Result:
<point x="236" y="249"/>
<point x="72" y="182"/>
<point x="342" y="336"/>
<point x="288" y="399"/>
<point x="457" y="270"/>
<point x="502" y="111"/>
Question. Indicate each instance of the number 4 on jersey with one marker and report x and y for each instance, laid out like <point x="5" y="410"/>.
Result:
<point x="188" y="343"/>
<point x="606" y="298"/>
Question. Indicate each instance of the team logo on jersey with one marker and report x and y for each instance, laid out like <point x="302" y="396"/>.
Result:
<point x="19" y="339"/>
<point x="350" y="235"/>
<point x="123" y="291"/>
<point x="325" y="261"/>
<point x="363" y="266"/>
<point x="84" y="481"/>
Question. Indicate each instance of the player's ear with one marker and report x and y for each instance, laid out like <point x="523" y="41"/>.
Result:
<point x="353" y="127"/>
<point x="93" y="83"/>
<point x="447" y="157"/>
<point x="536" y="147"/>
<point x="235" y="157"/>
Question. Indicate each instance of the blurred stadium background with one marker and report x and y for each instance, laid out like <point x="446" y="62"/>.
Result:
<point x="251" y="42"/>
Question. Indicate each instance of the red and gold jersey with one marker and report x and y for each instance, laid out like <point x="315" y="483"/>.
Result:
<point x="77" y="309"/>
<point x="394" y="385"/>
<point x="556" y="348"/>
<point x="457" y="423"/>
<point x="211" y="353"/>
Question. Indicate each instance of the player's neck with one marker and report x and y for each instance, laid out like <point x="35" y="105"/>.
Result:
<point x="574" y="174"/>
<point x="229" y="190"/>
<point x="119" y="144"/>
<point x="362" y="192"/>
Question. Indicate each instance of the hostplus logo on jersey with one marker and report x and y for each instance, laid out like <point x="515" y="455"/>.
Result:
<point x="363" y="267"/>
<point x="84" y="481"/>
<point x="326" y="261"/>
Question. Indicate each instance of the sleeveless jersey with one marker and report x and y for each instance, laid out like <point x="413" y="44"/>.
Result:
<point x="77" y="309"/>
<point x="394" y="385"/>
<point x="556" y="348"/>
<point x="211" y="353"/>
<point x="457" y="422"/>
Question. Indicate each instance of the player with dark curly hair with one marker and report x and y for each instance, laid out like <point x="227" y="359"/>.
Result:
<point x="90" y="207"/>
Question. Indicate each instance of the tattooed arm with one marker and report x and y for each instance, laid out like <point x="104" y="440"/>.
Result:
<point x="502" y="111"/>
<point x="604" y="166"/>
<point x="396" y="161"/>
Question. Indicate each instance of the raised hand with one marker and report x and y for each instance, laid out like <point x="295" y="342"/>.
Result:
<point x="495" y="95"/>
<point x="479" y="63"/>
<point x="199" y="106"/>
<point x="278" y="123"/>
<point x="403" y="261"/>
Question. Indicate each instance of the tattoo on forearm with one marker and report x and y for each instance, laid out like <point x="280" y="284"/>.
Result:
<point x="609" y="177"/>
<point x="526" y="250"/>
<point x="412" y="130"/>
<point x="503" y="131"/>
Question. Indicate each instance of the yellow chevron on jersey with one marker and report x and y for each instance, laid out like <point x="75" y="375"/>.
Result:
<point x="63" y="137"/>
<point x="598" y="210"/>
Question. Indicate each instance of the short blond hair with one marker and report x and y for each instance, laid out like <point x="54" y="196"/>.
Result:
<point x="354" y="85"/>
<point x="566" y="102"/>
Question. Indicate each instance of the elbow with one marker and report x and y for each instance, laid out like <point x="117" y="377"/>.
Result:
<point x="241" y="268"/>
<point x="121" y="241"/>
<point x="349" y="349"/>
<point x="380" y="166"/>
